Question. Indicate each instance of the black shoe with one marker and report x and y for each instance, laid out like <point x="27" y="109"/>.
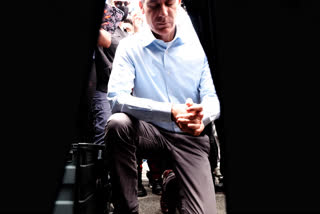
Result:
<point x="141" y="191"/>
<point x="169" y="197"/>
<point x="157" y="186"/>
<point x="150" y="179"/>
<point x="218" y="183"/>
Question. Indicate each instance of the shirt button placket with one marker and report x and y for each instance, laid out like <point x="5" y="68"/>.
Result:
<point x="166" y="55"/>
<point x="166" y="67"/>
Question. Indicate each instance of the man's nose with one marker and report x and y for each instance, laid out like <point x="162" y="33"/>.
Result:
<point x="164" y="10"/>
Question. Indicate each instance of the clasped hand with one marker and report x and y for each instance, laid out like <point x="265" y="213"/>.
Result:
<point x="188" y="117"/>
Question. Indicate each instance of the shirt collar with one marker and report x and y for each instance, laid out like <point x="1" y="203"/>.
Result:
<point x="148" y="38"/>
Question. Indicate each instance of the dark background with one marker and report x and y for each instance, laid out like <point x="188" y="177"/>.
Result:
<point x="264" y="57"/>
<point x="46" y="58"/>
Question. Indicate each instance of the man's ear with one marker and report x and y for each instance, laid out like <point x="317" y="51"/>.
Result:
<point x="141" y="6"/>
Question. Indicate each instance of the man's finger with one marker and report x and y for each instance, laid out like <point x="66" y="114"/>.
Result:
<point x="198" y="131"/>
<point x="189" y="102"/>
<point x="194" y="126"/>
<point x="195" y="108"/>
<point x="187" y="115"/>
<point x="183" y="120"/>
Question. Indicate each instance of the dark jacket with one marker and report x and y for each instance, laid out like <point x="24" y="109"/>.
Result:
<point x="104" y="59"/>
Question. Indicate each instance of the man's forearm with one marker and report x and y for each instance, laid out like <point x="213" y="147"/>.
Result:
<point x="211" y="109"/>
<point x="141" y="108"/>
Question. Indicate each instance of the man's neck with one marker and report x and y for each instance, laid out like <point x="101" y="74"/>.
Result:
<point x="167" y="38"/>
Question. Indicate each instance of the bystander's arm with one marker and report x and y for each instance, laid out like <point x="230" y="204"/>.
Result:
<point x="137" y="21"/>
<point x="104" y="38"/>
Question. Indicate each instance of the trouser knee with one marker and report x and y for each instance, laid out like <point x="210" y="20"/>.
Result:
<point x="119" y="128"/>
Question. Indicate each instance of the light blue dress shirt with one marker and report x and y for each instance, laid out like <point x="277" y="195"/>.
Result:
<point x="160" y="74"/>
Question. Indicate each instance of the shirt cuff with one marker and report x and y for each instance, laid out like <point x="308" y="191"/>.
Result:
<point x="163" y="112"/>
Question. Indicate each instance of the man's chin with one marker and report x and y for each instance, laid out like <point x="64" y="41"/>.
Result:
<point x="164" y="30"/>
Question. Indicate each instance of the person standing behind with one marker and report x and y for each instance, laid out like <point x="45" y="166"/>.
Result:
<point x="166" y="116"/>
<point x="128" y="26"/>
<point x="104" y="54"/>
<point x="108" y="42"/>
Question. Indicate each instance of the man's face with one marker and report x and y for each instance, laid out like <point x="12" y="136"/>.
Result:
<point x="120" y="3"/>
<point x="160" y="16"/>
<point x="124" y="6"/>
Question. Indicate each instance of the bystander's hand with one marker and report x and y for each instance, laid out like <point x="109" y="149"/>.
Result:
<point x="137" y="21"/>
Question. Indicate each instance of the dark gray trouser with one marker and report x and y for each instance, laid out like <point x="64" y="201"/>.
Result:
<point x="126" y="136"/>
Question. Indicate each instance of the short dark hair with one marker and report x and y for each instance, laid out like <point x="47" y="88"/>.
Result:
<point x="128" y="20"/>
